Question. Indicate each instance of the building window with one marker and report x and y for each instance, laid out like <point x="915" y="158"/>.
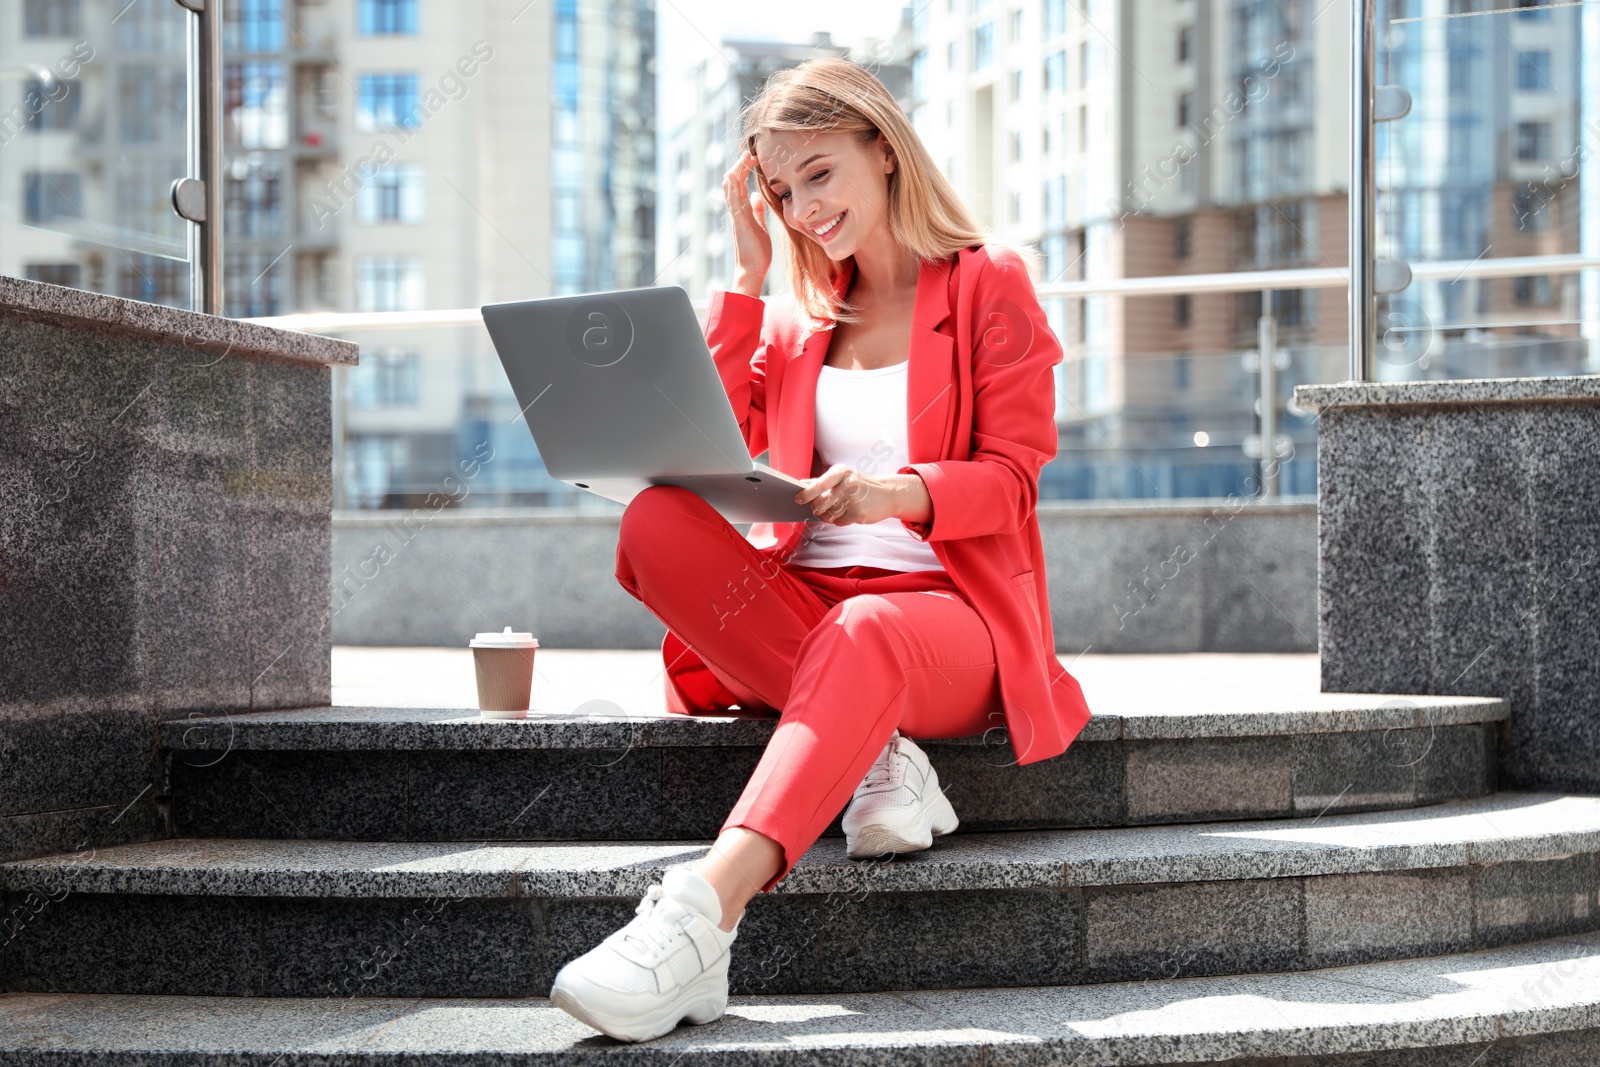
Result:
<point x="386" y="102"/>
<point x="1016" y="25"/>
<point x="252" y="26"/>
<point x="1055" y="18"/>
<point x="1185" y="44"/>
<point x="1533" y="140"/>
<point x="377" y="17"/>
<point x="1083" y="128"/>
<point x="949" y="112"/>
<point x="255" y="283"/>
<point x="1016" y="145"/>
<point x="950" y="55"/>
<point x="1016" y="85"/>
<point x="52" y="18"/>
<point x="256" y="105"/>
<point x="1055" y="202"/>
<point x="1532" y="10"/>
<point x="1054" y="250"/>
<point x="52" y="195"/>
<point x="387" y="378"/>
<point x="1185" y="110"/>
<point x="982" y="46"/>
<point x="152" y="103"/>
<point x="1533" y="71"/>
<point x="50" y="106"/>
<point x="1533" y="290"/>
<point x="253" y="204"/>
<point x="566" y="251"/>
<point x="154" y="280"/>
<point x="388" y="283"/>
<point x="67" y="274"/>
<point x="391" y="194"/>
<point x="1180" y="238"/>
<point x="1180" y="309"/>
<point x="1531" y="211"/>
<point x="1016" y="207"/>
<point x="1055" y="72"/>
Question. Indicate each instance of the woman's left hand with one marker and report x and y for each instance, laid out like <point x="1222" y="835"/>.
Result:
<point x="842" y="495"/>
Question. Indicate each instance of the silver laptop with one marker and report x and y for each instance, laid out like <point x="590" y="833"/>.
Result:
<point x="621" y="393"/>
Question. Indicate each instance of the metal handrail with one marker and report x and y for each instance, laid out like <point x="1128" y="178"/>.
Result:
<point x="198" y="197"/>
<point x="1363" y="186"/>
<point x="1243" y="281"/>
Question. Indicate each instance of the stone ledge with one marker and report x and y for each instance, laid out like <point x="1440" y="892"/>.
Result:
<point x="454" y="729"/>
<point x="1541" y="1001"/>
<point x="1585" y="387"/>
<point x="113" y="314"/>
<point x="1504" y="828"/>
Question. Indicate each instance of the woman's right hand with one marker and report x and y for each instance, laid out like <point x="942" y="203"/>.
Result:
<point x="751" y="242"/>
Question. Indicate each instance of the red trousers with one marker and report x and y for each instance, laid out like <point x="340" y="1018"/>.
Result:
<point x="846" y="655"/>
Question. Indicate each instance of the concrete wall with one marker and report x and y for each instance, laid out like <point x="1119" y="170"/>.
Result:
<point x="1167" y="577"/>
<point x="165" y="494"/>
<point x="1459" y="552"/>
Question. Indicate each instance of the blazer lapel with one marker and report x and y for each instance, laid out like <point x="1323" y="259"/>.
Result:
<point x="931" y="379"/>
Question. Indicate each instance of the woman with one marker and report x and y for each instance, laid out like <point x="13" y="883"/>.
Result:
<point x="908" y="382"/>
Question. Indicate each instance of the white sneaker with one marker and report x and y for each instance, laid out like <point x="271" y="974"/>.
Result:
<point x="669" y="963"/>
<point x="898" y="807"/>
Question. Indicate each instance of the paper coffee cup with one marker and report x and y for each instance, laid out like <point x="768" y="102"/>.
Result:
<point x="504" y="663"/>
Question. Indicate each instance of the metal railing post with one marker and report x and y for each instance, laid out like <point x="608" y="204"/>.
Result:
<point x="198" y="197"/>
<point x="1267" y="345"/>
<point x="1363" y="332"/>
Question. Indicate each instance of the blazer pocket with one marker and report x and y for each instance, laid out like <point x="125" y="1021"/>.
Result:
<point x="1024" y="582"/>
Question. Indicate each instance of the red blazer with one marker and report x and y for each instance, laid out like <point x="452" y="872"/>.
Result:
<point x="981" y="421"/>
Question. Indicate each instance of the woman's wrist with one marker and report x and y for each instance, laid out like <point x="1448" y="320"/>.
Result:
<point x="749" y="284"/>
<point x="911" y="499"/>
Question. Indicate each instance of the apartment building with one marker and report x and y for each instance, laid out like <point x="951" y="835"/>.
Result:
<point x="380" y="155"/>
<point x="1167" y="137"/>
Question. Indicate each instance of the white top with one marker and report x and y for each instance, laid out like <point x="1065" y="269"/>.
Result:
<point x="861" y="422"/>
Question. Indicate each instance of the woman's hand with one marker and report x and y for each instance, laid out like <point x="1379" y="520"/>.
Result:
<point x="842" y="495"/>
<point x="752" y="243"/>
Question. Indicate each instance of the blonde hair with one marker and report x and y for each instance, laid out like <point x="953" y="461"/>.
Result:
<point x="925" y="214"/>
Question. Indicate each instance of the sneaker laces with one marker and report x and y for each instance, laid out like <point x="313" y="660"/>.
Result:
<point x="657" y="924"/>
<point x="886" y="769"/>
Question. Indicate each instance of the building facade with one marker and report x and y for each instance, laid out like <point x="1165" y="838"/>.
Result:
<point x="380" y="155"/>
<point x="1137" y="138"/>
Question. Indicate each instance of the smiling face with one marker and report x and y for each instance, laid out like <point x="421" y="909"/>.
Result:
<point x="829" y="182"/>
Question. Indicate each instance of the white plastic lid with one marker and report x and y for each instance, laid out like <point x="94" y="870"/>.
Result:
<point x="504" y="639"/>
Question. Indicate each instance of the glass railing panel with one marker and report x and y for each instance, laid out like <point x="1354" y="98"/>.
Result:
<point x="93" y="131"/>
<point x="1487" y="165"/>
<point x="1180" y="425"/>
<point x="428" y="420"/>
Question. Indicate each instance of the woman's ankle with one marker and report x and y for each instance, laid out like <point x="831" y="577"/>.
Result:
<point x="740" y="862"/>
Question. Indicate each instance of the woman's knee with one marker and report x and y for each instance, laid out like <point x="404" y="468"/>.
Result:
<point x="656" y="507"/>
<point x="865" y="626"/>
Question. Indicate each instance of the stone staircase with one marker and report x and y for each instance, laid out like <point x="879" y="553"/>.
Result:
<point x="1303" y="883"/>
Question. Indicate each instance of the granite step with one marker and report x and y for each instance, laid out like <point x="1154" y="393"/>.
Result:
<point x="1021" y="908"/>
<point x="1535" y="1005"/>
<point x="406" y="774"/>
